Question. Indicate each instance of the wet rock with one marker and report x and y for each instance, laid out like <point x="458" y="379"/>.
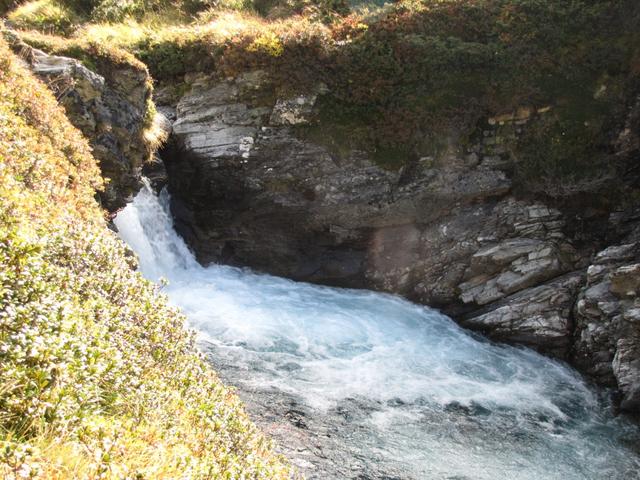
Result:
<point x="538" y="317"/>
<point x="626" y="368"/>
<point x="156" y="173"/>
<point x="476" y="256"/>
<point x="339" y="442"/>
<point x="515" y="264"/>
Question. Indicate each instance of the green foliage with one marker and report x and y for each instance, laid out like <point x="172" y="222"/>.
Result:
<point x="98" y="376"/>
<point x="324" y="10"/>
<point x="109" y="61"/>
<point x="422" y="70"/>
<point x="170" y="58"/>
<point x="44" y="15"/>
<point x="411" y="72"/>
<point x="450" y="64"/>
<point x="195" y="6"/>
<point x="562" y="157"/>
<point x="268" y="44"/>
<point x="82" y="6"/>
<point x="119" y="10"/>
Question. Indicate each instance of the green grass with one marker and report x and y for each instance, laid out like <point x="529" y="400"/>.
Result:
<point x="45" y="15"/>
<point x="98" y="376"/>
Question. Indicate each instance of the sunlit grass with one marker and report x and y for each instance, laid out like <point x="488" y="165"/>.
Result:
<point x="218" y="28"/>
<point x="45" y="15"/>
<point x="98" y="377"/>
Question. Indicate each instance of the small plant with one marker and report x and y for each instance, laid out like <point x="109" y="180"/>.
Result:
<point x="266" y="43"/>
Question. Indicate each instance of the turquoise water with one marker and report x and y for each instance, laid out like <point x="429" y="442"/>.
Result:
<point x="440" y="402"/>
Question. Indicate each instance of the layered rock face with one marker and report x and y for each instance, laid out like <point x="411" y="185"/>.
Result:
<point x="251" y="187"/>
<point x="109" y="110"/>
<point x="607" y="316"/>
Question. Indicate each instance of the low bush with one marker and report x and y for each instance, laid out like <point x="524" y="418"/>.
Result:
<point x="98" y="376"/>
<point x="46" y="16"/>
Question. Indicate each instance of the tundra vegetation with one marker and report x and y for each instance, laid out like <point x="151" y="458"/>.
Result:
<point x="98" y="376"/>
<point x="404" y="78"/>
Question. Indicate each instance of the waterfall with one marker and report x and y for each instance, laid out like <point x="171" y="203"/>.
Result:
<point x="424" y="398"/>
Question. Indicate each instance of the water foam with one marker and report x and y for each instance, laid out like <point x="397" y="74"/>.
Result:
<point x="446" y="402"/>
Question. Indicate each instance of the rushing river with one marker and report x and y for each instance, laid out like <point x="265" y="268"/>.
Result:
<point x="356" y="384"/>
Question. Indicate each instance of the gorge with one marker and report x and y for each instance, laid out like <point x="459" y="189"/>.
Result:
<point x="252" y="239"/>
<point x="455" y="231"/>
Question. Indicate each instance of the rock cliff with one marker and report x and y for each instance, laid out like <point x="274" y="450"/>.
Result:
<point x="607" y="316"/>
<point x="255" y="182"/>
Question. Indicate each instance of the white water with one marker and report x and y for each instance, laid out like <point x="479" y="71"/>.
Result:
<point x="446" y="404"/>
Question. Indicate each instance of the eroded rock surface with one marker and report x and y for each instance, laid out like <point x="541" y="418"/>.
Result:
<point x="538" y="316"/>
<point x="251" y="187"/>
<point x="109" y="110"/>
<point x="607" y="313"/>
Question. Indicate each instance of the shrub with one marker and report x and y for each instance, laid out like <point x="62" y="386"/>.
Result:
<point x="411" y="72"/>
<point x="267" y="43"/>
<point x="561" y="157"/>
<point x="83" y="6"/>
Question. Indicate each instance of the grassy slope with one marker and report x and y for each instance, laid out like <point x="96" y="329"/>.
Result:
<point x="98" y="377"/>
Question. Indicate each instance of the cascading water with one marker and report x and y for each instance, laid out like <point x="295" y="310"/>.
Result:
<point x="356" y="384"/>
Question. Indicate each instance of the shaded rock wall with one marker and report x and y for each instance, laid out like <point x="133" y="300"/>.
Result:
<point x="250" y="187"/>
<point x="607" y="316"/>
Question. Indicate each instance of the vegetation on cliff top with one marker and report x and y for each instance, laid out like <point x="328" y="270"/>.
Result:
<point x="98" y="377"/>
<point x="404" y="78"/>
